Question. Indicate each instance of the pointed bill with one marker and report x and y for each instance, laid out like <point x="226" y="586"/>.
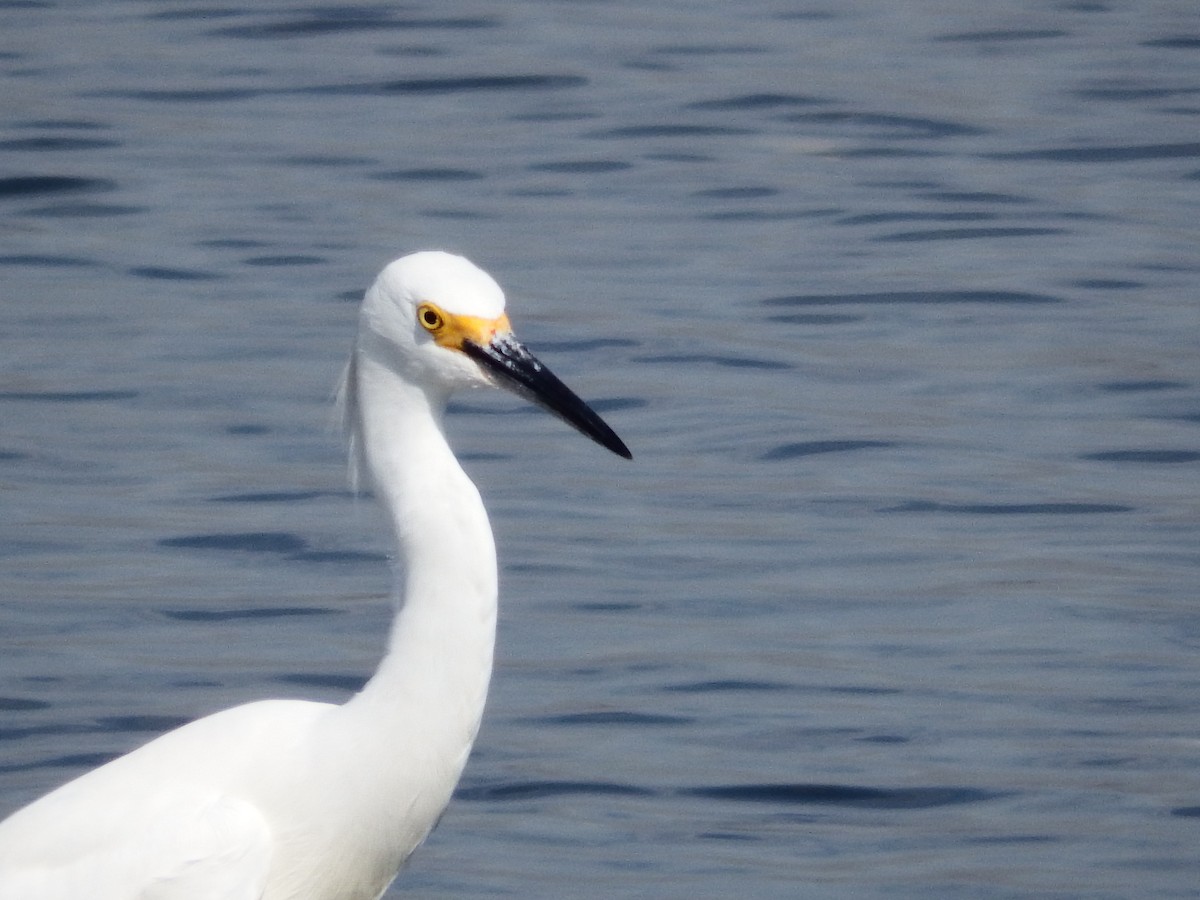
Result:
<point x="515" y="368"/>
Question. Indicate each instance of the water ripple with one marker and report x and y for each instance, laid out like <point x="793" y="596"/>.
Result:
<point x="1145" y="456"/>
<point x="273" y="497"/>
<point x="39" y="185"/>
<point x="162" y="273"/>
<point x="967" y="234"/>
<point x="1189" y="42"/>
<point x="452" y="85"/>
<point x="732" y="362"/>
<point x="610" y="717"/>
<point x="1189" y="150"/>
<point x="1006" y="34"/>
<point x="1011" y="509"/>
<point x="70" y="761"/>
<point x="21" y="704"/>
<point x="726" y="685"/>
<point x="582" y="166"/>
<point x="881" y="218"/>
<point x="923" y="297"/>
<point x="757" y="101"/>
<point x="428" y="174"/>
<point x="541" y="790"/>
<point x="239" y="615"/>
<point x="251" y="542"/>
<point x="812" y="448"/>
<point x="46" y="261"/>
<point x="139" y="724"/>
<point x="887" y="125"/>
<point x="84" y="210"/>
<point x="348" y="683"/>
<point x="67" y="396"/>
<point x="335" y="20"/>
<point x="669" y="130"/>
<point x="1126" y="387"/>
<point x="851" y="796"/>
<point x="52" y="144"/>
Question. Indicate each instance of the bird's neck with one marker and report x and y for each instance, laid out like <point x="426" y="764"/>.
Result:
<point x="431" y="686"/>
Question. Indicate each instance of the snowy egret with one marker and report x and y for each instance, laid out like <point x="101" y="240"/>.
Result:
<point x="287" y="799"/>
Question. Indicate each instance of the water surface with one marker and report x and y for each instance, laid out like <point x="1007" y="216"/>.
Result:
<point x="895" y="306"/>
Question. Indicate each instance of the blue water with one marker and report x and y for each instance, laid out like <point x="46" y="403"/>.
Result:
<point x="895" y="304"/>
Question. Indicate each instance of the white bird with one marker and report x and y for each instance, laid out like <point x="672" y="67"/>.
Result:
<point x="297" y="800"/>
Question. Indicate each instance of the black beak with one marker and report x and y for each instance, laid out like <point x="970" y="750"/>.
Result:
<point x="517" y="369"/>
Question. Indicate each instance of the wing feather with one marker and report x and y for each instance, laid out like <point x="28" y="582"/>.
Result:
<point x="207" y="845"/>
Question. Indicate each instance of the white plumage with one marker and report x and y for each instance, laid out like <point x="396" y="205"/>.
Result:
<point x="294" y="800"/>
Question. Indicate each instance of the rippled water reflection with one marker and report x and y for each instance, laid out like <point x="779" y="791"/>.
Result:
<point x="896" y="307"/>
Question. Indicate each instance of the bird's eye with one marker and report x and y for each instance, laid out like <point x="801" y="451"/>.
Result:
<point x="429" y="317"/>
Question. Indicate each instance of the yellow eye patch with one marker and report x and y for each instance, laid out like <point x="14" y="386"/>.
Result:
<point x="450" y="331"/>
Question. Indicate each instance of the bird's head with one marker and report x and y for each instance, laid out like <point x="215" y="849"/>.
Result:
<point x="441" y="322"/>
